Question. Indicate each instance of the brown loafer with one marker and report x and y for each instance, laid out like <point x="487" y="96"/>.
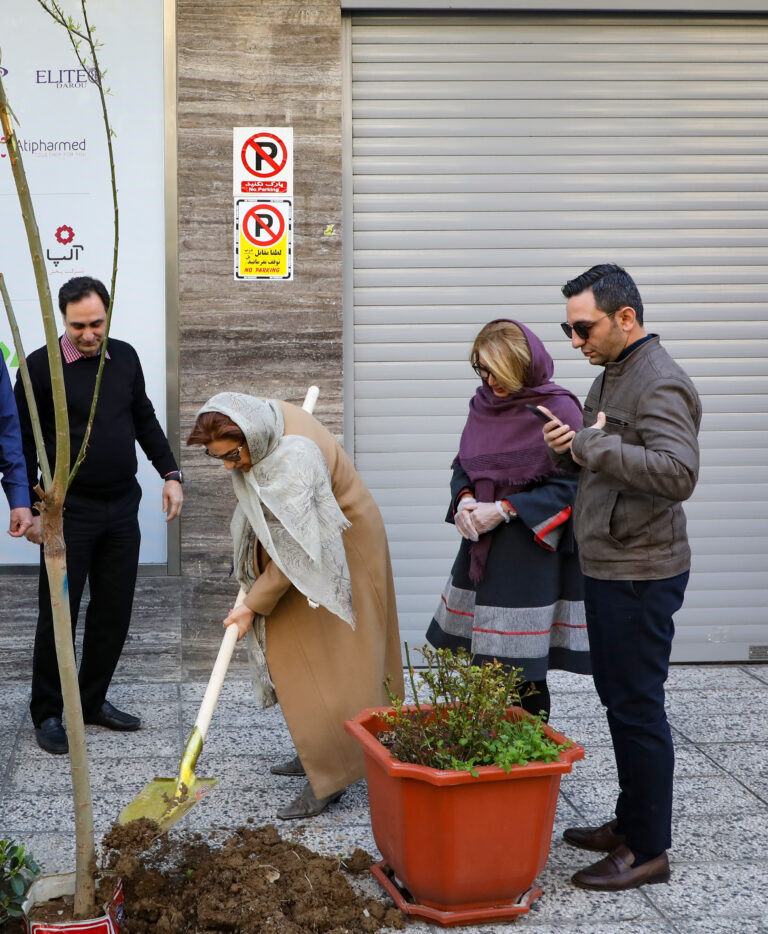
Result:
<point x="598" y="839"/>
<point x="614" y="872"/>
<point x="307" y="805"/>
<point x="292" y="767"/>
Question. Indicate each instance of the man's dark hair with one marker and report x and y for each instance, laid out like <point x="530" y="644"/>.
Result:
<point x="612" y="286"/>
<point x="79" y="288"/>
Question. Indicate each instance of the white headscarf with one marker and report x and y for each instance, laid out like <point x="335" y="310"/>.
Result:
<point x="286" y="500"/>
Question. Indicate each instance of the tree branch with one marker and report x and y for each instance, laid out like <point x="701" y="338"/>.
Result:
<point x="34" y="415"/>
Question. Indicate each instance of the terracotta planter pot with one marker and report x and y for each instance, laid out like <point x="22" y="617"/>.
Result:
<point x="52" y="887"/>
<point x="456" y="848"/>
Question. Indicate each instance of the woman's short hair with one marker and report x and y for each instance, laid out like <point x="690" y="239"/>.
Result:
<point x="506" y="352"/>
<point x="213" y="426"/>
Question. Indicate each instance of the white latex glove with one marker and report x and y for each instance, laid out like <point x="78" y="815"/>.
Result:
<point x="486" y="517"/>
<point x="463" y="518"/>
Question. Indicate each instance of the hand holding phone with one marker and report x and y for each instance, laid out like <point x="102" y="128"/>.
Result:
<point x="540" y="413"/>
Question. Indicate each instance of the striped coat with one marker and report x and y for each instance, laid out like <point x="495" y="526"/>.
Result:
<point x="528" y="610"/>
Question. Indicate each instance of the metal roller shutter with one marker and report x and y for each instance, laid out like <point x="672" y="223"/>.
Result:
<point x="493" y="157"/>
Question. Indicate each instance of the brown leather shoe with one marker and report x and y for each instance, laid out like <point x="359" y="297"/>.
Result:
<point x="598" y="839"/>
<point x="614" y="872"/>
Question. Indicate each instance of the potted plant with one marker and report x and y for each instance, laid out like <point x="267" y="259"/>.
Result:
<point x="462" y="791"/>
<point x="18" y="870"/>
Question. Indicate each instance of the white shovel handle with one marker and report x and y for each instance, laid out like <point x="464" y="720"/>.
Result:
<point x="310" y="399"/>
<point x="227" y="646"/>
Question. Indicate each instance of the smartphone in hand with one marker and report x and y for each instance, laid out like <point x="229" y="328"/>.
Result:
<point x="540" y="413"/>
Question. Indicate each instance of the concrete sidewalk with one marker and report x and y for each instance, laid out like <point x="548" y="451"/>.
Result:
<point x="720" y="870"/>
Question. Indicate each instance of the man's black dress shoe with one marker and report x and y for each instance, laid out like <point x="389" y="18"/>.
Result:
<point x="599" y="839"/>
<point x="614" y="872"/>
<point x="113" y="719"/>
<point x="52" y="737"/>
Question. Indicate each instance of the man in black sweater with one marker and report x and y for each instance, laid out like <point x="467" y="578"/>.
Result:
<point x="101" y="525"/>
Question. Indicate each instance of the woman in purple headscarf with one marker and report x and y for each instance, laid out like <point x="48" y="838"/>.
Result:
<point x="515" y="590"/>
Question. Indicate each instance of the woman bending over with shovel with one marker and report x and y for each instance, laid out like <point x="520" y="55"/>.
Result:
<point x="311" y="553"/>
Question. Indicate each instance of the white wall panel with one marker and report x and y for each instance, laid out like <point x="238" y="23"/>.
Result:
<point x="495" y="156"/>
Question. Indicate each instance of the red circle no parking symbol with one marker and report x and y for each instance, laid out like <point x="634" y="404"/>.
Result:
<point x="263" y="225"/>
<point x="264" y="155"/>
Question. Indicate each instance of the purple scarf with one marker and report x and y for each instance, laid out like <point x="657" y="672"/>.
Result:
<point x="502" y="448"/>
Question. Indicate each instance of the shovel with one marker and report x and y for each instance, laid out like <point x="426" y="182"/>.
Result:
<point x="166" y="800"/>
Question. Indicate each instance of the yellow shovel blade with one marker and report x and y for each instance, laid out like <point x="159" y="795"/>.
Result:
<point x="159" y="802"/>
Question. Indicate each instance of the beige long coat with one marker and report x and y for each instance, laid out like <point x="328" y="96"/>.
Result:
<point x="325" y="672"/>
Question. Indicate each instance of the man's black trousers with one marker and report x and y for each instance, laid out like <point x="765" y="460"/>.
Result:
<point x="630" y="638"/>
<point x="102" y="539"/>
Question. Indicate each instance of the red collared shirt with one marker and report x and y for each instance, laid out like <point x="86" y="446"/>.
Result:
<point x="71" y="353"/>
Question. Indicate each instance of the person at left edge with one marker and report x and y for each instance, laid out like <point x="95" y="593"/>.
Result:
<point x="101" y="526"/>
<point x="12" y="467"/>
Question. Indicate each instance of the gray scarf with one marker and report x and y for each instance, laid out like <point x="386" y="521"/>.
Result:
<point x="287" y="503"/>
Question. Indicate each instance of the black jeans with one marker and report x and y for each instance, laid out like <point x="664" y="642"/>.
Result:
<point x="630" y="638"/>
<point x="102" y="539"/>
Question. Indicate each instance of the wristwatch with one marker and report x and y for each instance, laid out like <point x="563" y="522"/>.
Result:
<point x="174" y="475"/>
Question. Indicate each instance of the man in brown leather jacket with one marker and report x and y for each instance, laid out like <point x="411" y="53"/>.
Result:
<point x="638" y="459"/>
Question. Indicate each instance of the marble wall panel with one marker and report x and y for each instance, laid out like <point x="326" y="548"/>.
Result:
<point x="251" y="63"/>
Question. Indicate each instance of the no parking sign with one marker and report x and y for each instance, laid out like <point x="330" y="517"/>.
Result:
<point x="263" y="239"/>
<point x="262" y="160"/>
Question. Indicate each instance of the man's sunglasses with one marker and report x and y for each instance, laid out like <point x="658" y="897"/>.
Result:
<point x="582" y="328"/>
<point x="231" y="456"/>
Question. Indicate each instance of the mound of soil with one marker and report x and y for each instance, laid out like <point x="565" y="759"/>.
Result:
<point x="253" y="882"/>
<point x="250" y="883"/>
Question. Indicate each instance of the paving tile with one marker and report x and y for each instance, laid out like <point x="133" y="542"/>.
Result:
<point x="238" y="742"/>
<point x="563" y="902"/>
<point x="566" y="682"/>
<point x="709" y="725"/>
<point x="103" y="743"/>
<point x="712" y="795"/>
<point x="739" y="758"/>
<point x="737" y="678"/>
<point x="593" y="801"/>
<point x="132" y="694"/>
<point x="26" y="813"/>
<point x="530" y="921"/>
<point x="741" y="925"/>
<point x="575" y="706"/>
<point x="728" y="890"/>
<point x="720" y="793"/>
<point x="705" y="838"/>
<point x="692" y="761"/>
<point x="686" y="705"/>
<point x="757" y="786"/>
<point x="586" y="731"/>
<point x="598" y="764"/>
<point x="757" y="671"/>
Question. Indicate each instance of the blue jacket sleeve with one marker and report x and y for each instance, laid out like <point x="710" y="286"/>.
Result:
<point x="12" y="464"/>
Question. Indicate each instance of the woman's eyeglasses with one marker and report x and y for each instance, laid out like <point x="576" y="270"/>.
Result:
<point x="232" y="456"/>
<point x="482" y="371"/>
<point x="582" y="328"/>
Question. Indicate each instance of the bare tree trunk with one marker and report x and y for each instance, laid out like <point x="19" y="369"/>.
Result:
<point x="85" y="45"/>
<point x="56" y="568"/>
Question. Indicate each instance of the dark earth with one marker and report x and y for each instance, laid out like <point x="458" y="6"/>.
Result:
<point x="250" y="883"/>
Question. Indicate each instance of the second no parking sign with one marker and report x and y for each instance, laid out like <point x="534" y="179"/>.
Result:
<point x="263" y="238"/>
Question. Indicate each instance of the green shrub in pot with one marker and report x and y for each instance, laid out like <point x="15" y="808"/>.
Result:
<point x="461" y="720"/>
<point x="18" y="871"/>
